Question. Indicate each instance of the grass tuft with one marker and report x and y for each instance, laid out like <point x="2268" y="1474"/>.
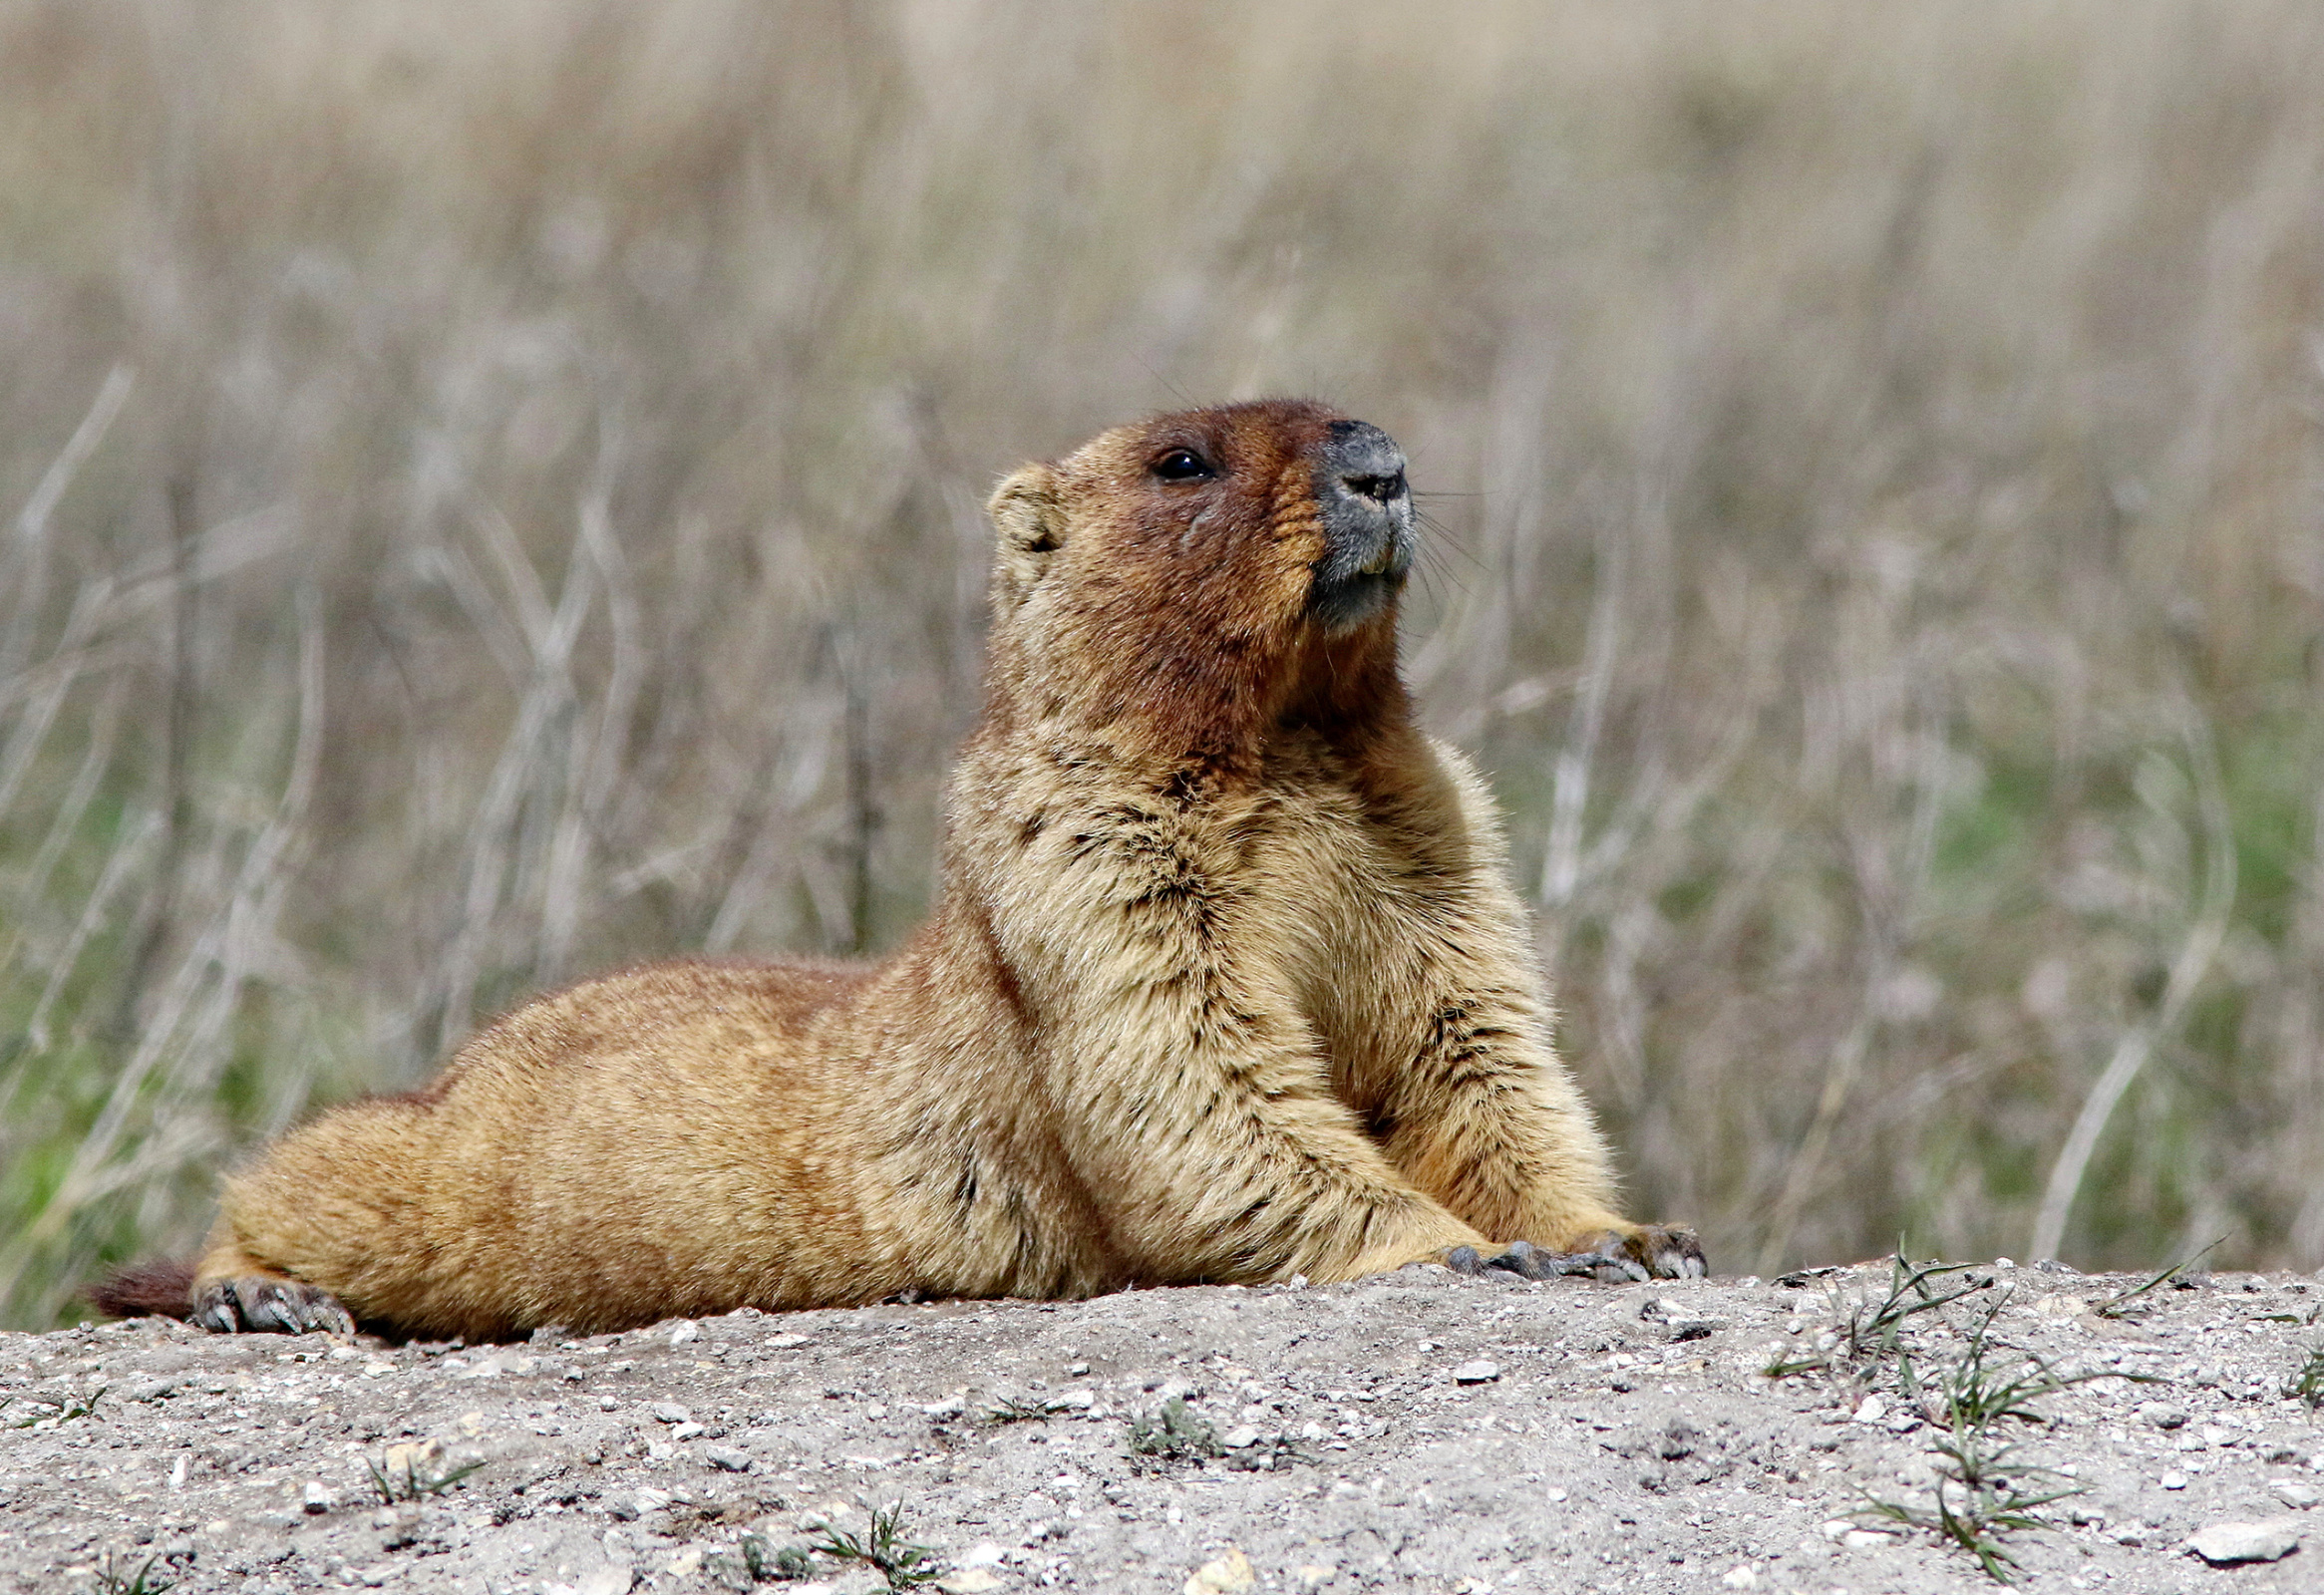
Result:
<point x="2122" y="1302"/>
<point x="1008" y="1410"/>
<point x="1872" y="1328"/>
<point x="409" y="1479"/>
<point x="2306" y="1382"/>
<point x="1986" y="1492"/>
<point x="882" y="1546"/>
<point x="774" y="1563"/>
<point x="1176" y="1433"/>
<point x="111" y="1579"/>
<point x="63" y="1412"/>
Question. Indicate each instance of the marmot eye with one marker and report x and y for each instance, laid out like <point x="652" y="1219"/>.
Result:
<point x="1182" y="465"/>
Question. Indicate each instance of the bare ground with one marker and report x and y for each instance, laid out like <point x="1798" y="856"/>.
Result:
<point x="1422" y="1432"/>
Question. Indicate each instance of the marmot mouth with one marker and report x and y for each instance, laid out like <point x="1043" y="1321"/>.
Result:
<point x="1341" y="602"/>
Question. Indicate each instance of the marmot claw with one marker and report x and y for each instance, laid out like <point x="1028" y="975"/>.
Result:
<point x="1653" y="1251"/>
<point x="263" y="1304"/>
<point x="1657" y="1251"/>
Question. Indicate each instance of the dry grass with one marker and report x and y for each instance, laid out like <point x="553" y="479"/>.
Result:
<point x="497" y="495"/>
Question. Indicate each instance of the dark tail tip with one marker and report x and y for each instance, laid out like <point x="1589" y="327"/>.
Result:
<point x="161" y="1288"/>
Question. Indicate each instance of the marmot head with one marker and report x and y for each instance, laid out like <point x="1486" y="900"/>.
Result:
<point x="1187" y="581"/>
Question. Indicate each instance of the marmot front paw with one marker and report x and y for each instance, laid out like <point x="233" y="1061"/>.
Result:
<point x="269" y="1303"/>
<point x="1653" y="1251"/>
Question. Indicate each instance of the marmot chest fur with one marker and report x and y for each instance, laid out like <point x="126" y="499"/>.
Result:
<point x="1225" y="983"/>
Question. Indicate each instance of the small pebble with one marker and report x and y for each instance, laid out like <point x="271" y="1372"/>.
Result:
<point x="727" y="1458"/>
<point x="1477" y="1372"/>
<point x="1236" y="1440"/>
<point x="2294" y="1493"/>
<point x="317" y="1497"/>
<point x="2175" y="1480"/>
<point x="1871" y="1411"/>
<point x="671" y="1413"/>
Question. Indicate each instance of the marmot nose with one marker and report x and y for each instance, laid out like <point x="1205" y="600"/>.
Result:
<point x="1365" y="462"/>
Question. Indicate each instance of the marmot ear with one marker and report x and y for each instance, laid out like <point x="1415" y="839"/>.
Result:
<point x="1031" y="527"/>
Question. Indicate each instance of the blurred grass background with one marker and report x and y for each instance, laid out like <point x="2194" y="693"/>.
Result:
<point x="494" y="492"/>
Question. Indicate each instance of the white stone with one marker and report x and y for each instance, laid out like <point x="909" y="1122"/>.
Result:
<point x="317" y="1496"/>
<point x="1479" y="1372"/>
<point x="2294" y="1493"/>
<point x="2173" y="1480"/>
<point x="1234" y="1440"/>
<point x="1228" y="1575"/>
<point x="2222" y="1543"/>
<point x="1743" y="1577"/>
<point x="1871" y="1411"/>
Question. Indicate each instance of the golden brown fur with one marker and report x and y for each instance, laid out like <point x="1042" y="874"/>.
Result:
<point x="1225" y="983"/>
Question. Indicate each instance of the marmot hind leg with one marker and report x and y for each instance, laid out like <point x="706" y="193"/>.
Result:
<point x="231" y="1293"/>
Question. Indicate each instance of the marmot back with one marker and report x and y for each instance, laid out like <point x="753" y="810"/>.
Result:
<point x="1225" y="983"/>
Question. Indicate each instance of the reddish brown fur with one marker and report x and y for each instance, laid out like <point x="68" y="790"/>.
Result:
<point x="1224" y="983"/>
<point x="163" y="1287"/>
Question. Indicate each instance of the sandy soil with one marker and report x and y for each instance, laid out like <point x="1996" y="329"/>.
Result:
<point x="1422" y="1432"/>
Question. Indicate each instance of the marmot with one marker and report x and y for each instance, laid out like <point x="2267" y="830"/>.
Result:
<point x="1225" y="983"/>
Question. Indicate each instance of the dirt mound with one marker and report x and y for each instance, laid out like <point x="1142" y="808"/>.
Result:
<point x="1421" y="1432"/>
